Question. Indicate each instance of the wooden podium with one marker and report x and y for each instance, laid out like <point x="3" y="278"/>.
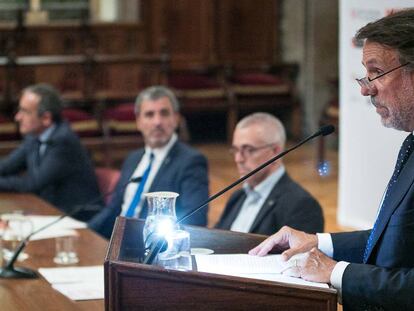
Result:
<point x="130" y="285"/>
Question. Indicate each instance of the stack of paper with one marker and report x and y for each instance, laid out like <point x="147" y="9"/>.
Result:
<point x="76" y="283"/>
<point x="269" y="268"/>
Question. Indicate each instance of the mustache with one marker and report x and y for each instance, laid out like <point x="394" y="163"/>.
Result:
<point x="158" y="129"/>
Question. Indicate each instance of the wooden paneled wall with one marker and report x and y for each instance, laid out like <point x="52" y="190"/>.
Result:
<point x="202" y="33"/>
<point x="87" y="63"/>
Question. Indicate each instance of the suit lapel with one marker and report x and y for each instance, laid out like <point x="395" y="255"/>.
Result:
<point x="239" y="199"/>
<point x="400" y="188"/>
<point x="49" y="142"/>
<point x="270" y="202"/>
<point x="135" y="164"/>
<point x="164" y="166"/>
<point x="33" y="154"/>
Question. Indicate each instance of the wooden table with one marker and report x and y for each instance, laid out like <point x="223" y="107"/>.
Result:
<point x="37" y="294"/>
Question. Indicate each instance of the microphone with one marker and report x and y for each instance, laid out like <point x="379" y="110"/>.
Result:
<point x="160" y="243"/>
<point x="9" y="271"/>
<point x="132" y="180"/>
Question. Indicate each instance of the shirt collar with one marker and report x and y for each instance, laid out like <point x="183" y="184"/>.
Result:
<point x="45" y="135"/>
<point x="265" y="187"/>
<point x="162" y="151"/>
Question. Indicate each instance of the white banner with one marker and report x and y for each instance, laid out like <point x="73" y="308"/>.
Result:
<point x="368" y="150"/>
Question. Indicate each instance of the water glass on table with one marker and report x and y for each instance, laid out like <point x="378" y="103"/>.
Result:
<point x="16" y="227"/>
<point x="66" y="250"/>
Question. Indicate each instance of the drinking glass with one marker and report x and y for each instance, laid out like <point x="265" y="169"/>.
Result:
<point x="66" y="250"/>
<point x="16" y="228"/>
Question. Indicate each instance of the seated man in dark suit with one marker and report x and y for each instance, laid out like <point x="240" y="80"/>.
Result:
<point x="372" y="269"/>
<point x="50" y="162"/>
<point x="166" y="163"/>
<point x="269" y="199"/>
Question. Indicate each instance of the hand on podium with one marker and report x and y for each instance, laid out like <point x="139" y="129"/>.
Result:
<point x="313" y="265"/>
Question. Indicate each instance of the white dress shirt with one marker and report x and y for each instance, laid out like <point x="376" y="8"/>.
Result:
<point x="325" y="245"/>
<point x="254" y="201"/>
<point x="159" y="156"/>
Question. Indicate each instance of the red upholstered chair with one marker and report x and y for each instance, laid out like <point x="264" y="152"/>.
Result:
<point x="8" y="129"/>
<point x="272" y="90"/>
<point x="120" y="120"/>
<point x="107" y="180"/>
<point x="120" y="132"/>
<point x="82" y="122"/>
<point x="202" y="92"/>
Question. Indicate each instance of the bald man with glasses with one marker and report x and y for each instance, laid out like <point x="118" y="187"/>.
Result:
<point x="270" y="199"/>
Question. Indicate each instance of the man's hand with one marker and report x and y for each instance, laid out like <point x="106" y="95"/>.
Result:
<point x="314" y="266"/>
<point x="288" y="240"/>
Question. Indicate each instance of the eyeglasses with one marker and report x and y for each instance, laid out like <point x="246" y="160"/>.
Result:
<point x="366" y="81"/>
<point x="248" y="150"/>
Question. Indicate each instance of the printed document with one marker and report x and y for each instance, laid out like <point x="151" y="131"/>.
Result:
<point x="269" y="268"/>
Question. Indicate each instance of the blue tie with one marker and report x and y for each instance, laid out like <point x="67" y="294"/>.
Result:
<point x="405" y="152"/>
<point x="137" y="197"/>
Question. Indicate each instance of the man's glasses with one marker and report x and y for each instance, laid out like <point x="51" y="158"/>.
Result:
<point x="366" y="81"/>
<point x="248" y="150"/>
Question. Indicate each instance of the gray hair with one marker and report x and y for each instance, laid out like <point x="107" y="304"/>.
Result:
<point x="395" y="31"/>
<point x="50" y="100"/>
<point x="154" y="93"/>
<point x="275" y="131"/>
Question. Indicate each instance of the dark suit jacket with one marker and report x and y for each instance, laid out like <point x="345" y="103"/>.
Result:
<point x="184" y="171"/>
<point x="287" y="204"/>
<point x="63" y="176"/>
<point x="387" y="280"/>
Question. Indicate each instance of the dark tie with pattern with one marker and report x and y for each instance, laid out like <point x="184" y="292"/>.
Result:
<point x="405" y="152"/>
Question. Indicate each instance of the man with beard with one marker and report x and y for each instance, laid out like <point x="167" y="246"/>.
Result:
<point x="164" y="164"/>
<point x="372" y="269"/>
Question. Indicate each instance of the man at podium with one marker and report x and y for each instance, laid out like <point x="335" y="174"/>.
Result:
<point x="372" y="269"/>
<point x="165" y="164"/>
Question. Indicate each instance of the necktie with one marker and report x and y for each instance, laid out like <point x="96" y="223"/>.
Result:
<point x="405" y="152"/>
<point x="137" y="197"/>
<point x="38" y="156"/>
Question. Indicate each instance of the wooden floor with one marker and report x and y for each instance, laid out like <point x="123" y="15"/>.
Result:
<point x="301" y="165"/>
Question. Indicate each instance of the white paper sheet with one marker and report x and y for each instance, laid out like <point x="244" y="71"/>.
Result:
<point x="267" y="268"/>
<point x="63" y="227"/>
<point x="77" y="283"/>
<point x="81" y="291"/>
<point x="52" y="233"/>
<point x="239" y="263"/>
<point x="73" y="274"/>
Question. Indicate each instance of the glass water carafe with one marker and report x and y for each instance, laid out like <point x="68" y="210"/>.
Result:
<point x="161" y="218"/>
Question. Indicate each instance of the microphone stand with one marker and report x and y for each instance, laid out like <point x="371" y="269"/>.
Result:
<point x="11" y="272"/>
<point x="157" y="245"/>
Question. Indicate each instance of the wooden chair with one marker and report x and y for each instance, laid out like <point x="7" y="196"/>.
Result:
<point x="271" y="89"/>
<point x="107" y="180"/>
<point x="8" y="129"/>
<point x="200" y="92"/>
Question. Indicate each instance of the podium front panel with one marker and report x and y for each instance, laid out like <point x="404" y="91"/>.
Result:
<point x="130" y="285"/>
